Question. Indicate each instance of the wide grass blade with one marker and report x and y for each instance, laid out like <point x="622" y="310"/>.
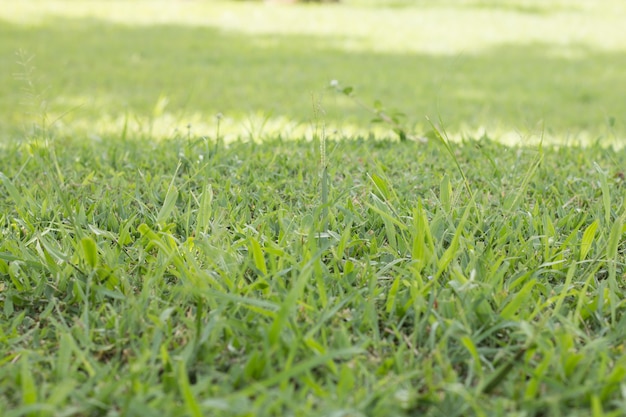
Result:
<point x="587" y="240"/>
<point x="452" y="250"/>
<point x="291" y="301"/>
<point x="518" y="300"/>
<point x="191" y="404"/>
<point x="205" y="210"/>
<point x="170" y="200"/>
<point x="606" y="193"/>
<point x="257" y="255"/>
<point x="14" y="193"/>
<point x="90" y="251"/>
<point x="28" y="386"/>
<point x="168" y="205"/>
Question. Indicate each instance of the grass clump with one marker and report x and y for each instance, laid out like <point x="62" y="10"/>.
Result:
<point x="187" y="278"/>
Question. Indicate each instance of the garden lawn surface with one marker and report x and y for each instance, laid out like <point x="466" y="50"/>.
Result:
<point x="513" y="68"/>
<point x="190" y="277"/>
<point x="289" y="258"/>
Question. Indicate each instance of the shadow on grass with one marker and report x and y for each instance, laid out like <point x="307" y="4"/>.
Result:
<point x="94" y="68"/>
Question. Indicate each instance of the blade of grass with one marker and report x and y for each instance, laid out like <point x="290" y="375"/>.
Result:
<point x="191" y="404"/>
<point x="170" y="200"/>
<point x="587" y="240"/>
<point x="257" y="255"/>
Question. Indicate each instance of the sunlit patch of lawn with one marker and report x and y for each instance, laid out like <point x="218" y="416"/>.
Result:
<point x="522" y="67"/>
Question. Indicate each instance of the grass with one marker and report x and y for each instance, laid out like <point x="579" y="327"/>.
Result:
<point x="251" y="265"/>
<point x="515" y="68"/>
<point x="188" y="277"/>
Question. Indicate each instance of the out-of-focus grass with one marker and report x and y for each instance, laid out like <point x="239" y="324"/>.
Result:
<point x="153" y="66"/>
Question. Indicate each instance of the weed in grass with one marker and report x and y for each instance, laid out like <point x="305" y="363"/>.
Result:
<point x="392" y="119"/>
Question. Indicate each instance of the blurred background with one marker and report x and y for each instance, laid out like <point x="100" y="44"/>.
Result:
<point x="510" y="69"/>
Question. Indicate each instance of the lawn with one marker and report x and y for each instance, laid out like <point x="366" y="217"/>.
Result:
<point x="187" y="277"/>
<point x="514" y="69"/>
<point x="290" y="257"/>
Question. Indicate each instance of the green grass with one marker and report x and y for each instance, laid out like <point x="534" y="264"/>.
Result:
<point x="157" y="260"/>
<point x="516" y="68"/>
<point x="187" y="277"/>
